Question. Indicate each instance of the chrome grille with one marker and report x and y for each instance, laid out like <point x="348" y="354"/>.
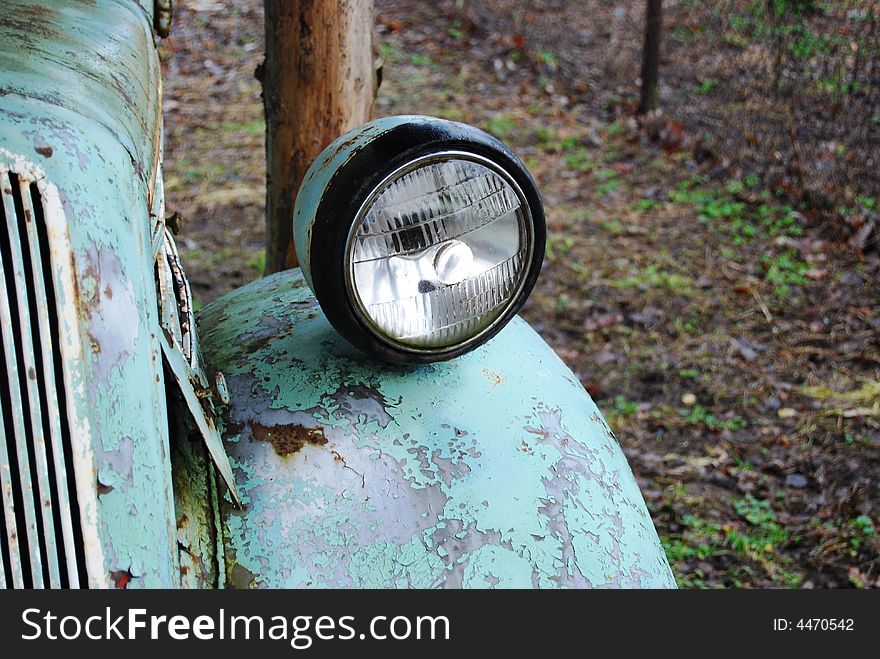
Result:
<point x="41" y="539"/>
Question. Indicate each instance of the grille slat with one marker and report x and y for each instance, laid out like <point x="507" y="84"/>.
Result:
<point x="52" y="416"/>
<point x="31" y="377"/>
<point x="11" y="560"/>
<point x="43" y="539"/>
<point x="25" y="505"/>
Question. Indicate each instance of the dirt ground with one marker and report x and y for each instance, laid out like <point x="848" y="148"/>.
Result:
<point x="731" y="342"/>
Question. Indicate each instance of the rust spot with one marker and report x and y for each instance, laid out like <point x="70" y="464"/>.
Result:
<point x="288" y="439"/>
<point x="44" y="150"/>
<point x="494" y="378"/>
<point x="241" y="577"/>
<point x="121" y="578"/>
<point x="103" y="489"/>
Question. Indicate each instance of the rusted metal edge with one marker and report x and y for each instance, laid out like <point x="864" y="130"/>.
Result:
<point x="181" y="371"/>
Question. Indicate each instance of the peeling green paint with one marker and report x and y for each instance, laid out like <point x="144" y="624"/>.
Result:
<point x="492" y="470"/>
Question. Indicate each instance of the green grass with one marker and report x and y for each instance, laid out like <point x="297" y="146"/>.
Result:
<point x="558" y="244"/>
<point x="783" y="271"/>
<point x="389" y="51"/>
<point x="755" y="535"/>
<point x="763" y="533"/>
<point x="613" y="226"/>
<point x="707" y="86"/>
<point x="699" y="416"/>
<point x="618" y="409"/>
<point x="501" y="126"/>
<point x="653" y="277"/>
<point x="689" y="324"/>
<point x="860" y="532"/>
<point x="547" y="58"/>
<point x="563" y="303"/>
<point x="742" y="222"/>
<point x="646" y="205"/>
<point x="579" y="161"/>
<point x="257" y="262"/>
<point x="569" y="143"/>
<point x="544" y="136"/>
<point x="249" y="127"/>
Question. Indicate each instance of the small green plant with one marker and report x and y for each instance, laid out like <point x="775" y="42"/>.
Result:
<point x="608" y="186"/>
<point x="653" y="277"/>
<point x="742" y="221"/>
<point x="615" y="128"/>
<point x="689" y="324"/>
<point x="700" y="416"/>
<point x="389" y="51"/>
<point x="859" y="533"/>
<point x="614" y="226"/>
<point x="578" y="160"/>
<point x="421" y="60"/>
<point x="764" y="533"/>
<point x="779" y="221"/>
<point x="250" y="127"/>
<point x="547" y="57"/>
<point x="609" y="180"/>
<point x="707" y="86"/>
<point x="569" y="143"/>
<point x="622" y="407"/>
<point x="742" y="465"/>
<point x="501" y="126"/>
<point x="563" y="303"/>
<point x="700" y="540"/>
<point x="682" y="33"/>
<point x="558" y="244"/>
<point x="257" y="262"/>
<point x="784" y="270"/>
<point x="544" y="136"/>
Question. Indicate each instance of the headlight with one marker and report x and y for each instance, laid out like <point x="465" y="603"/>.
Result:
<point x="420" y="237"/>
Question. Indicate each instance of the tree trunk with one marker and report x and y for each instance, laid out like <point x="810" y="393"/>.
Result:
<point x="651" y="57"/>
<point x="318" y="82"/>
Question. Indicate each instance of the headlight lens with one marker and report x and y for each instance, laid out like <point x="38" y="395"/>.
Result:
<point x="439" y="250"/>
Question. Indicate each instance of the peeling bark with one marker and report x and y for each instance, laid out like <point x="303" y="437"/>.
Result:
<point x="319" y="81"/>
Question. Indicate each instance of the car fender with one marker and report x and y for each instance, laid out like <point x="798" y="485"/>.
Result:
<point x="495" y="469"/>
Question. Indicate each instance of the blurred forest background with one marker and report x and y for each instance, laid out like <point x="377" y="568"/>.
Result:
<point x="712" y="268"/>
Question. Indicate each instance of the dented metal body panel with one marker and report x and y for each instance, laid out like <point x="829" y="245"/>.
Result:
<point x="80" y="123"/>
<point x="495" y="469"/>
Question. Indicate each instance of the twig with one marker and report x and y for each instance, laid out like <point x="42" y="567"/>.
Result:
<point x="764" y="310"/>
